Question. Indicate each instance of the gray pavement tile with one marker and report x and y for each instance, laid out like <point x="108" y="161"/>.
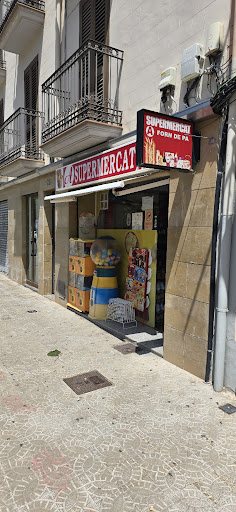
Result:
<point x="156" y="437"/>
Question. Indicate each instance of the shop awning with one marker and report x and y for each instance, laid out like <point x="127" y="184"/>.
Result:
<point x="72" y="196"/>
<point x="141" y="188"/>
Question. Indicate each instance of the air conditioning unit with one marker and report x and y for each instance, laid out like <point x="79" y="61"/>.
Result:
<point x="192" y="62"/>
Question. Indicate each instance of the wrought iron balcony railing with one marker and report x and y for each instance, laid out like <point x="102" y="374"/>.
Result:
<point x="19" y="136"/>
<point x="85" y="87"/>
<point x="6" y="8"/>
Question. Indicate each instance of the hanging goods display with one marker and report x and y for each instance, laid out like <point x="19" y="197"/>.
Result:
<point x="136" y="281"/>
<point x="105" y="254"/>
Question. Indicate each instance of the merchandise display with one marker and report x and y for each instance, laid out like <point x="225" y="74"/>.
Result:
<point x="136" y="281"/>
<point x="81" y="269"/>
<point x="105" y="254"/>
<point x="78" y="247"/>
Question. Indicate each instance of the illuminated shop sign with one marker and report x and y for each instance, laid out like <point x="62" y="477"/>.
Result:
<point x="98" y="168"/>
<point x="164" y="141"/>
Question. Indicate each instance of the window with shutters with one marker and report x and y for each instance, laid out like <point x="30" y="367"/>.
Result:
<point x="94" y="24"/>
<point x="1" y="124"/>
<point x="1" y="113"/>
<point x="94" y="20"/>
<point x="2" y="61"/>
<point x="86" y="86"/>
<point x="31" y="102"/>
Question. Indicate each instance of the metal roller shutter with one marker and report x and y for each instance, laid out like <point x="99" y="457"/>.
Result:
<point x="4" y="236"/>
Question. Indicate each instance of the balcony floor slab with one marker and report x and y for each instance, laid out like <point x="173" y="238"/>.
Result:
<point x="84" y="135"/>
<point x="20" y="28"/>
<point x="20" y="166"/>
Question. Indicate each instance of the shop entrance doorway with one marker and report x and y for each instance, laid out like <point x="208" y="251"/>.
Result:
<point x="138" y="215"/>
<point x="32" y="240"/>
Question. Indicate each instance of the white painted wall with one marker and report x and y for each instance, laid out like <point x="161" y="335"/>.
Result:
<point x="153" y="35"/>
<point x="44" y="46"/>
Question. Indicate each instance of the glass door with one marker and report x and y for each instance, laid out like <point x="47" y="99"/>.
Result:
<point x="32" y="240"/>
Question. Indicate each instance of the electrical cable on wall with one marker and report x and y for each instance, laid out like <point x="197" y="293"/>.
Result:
<point x="219" y="101"/>
<point x="189" y="90"/>
<point x="167" y="95"/>
<point x="220" y="71"/>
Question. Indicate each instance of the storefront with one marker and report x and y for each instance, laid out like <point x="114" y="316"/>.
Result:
<point x="128" y="203"/>
<point x="162" y="210"/>
<point x="133" y="211"/>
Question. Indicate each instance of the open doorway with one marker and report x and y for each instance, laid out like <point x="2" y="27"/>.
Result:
<point x="138" y="201"/>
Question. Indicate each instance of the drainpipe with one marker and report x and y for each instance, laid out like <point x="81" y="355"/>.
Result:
<point x="225" y="235"/>
<point x="220" y="174"/>
<point x="225" y="248"/>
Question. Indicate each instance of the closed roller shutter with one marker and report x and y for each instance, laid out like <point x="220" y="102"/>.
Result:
<point x="4" y="236"/>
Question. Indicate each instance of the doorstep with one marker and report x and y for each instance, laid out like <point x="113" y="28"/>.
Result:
<point x="141" y="336"/>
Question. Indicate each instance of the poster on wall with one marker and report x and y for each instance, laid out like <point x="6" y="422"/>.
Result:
<point x="147" y="203"/>
<point x="148" y="219"/>
<point x="164" y="142"/>
<point x="137" y="220"/>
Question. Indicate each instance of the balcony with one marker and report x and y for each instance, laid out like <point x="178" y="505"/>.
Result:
<point x="2" y="69"/>
<point x="81" y="101"/>
<point x="19" y="145"/>
<point x="20" y="22"/>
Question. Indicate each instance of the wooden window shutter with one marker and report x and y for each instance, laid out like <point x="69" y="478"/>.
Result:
<point x="34" y="84"/>
<point x="94" y="20"/>
<point x="31" y="85"/>
<point x="31" y="103"/>
<point x="1" y="58"/>
<point x="2" y="146"/>
<point x="1" y="113"/>
<point x="86" y="21"/>
<point x="27" y="90"/>
<point x="100" y="21"/>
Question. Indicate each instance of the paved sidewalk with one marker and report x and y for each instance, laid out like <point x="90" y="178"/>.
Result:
<point x="155" y="438"/>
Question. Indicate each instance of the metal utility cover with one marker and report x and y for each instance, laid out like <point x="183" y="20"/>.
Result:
<point x="127" y="348"/>
<point x="228" y="408"/>
<point x="86" y="382"/>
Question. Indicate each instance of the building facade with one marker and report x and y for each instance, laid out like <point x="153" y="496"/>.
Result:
<point x="74" y="75"/>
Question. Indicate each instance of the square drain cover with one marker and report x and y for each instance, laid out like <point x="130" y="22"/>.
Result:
<point x="86" y="382"/>
<point x="127" y="348"/>
<point x="228" y="408"/>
